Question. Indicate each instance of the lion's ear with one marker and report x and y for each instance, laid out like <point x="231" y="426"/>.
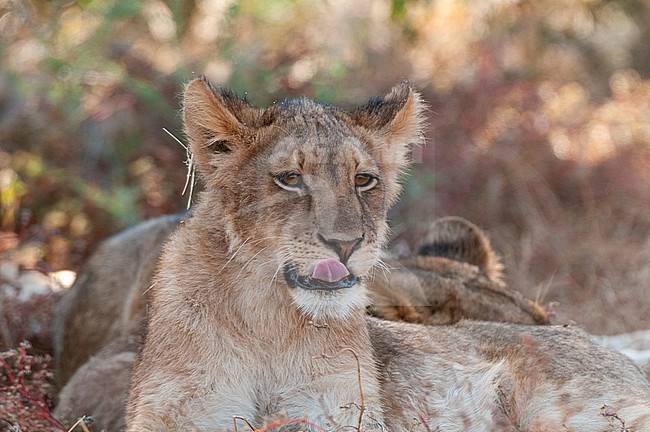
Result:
<point x="458" y="239"/>
<point x="215" y="122"/>
<point x="396" y="120"/>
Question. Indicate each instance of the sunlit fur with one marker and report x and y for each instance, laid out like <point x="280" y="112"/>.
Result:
<point x="226" y="336"/>
<point x="99" y="319"/>
<point x="221" y="313"/>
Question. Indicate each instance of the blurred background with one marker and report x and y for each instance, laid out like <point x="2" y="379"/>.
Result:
<point x="539" y="126"/>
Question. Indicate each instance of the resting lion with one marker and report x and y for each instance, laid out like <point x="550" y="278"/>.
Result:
<point x="455" y="275"/>
<point x="258" y="305"/>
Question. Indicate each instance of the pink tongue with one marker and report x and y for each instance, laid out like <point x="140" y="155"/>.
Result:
<point x="330" y="270"/>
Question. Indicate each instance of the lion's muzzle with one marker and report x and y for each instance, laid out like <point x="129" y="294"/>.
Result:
<point x="328" y="275"/>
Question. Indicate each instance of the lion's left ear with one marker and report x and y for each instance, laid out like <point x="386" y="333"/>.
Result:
<point x="396" y="121"/>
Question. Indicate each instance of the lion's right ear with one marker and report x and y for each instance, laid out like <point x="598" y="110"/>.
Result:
<point x="215" y="125"/>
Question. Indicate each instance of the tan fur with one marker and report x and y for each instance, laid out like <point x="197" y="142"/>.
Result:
<point x="456" y="275"/>
<point x="437" y="290"/>
<point x="107" y="300"/>
<point x="97" y="324"/>
<point x="100" y="386"/>
<point x="223" y="284"/>
<point x="284" y="357"/>
<point x="227" y="336"/>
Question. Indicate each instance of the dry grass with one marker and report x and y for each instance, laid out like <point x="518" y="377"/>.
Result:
<point x="573" y="231"/>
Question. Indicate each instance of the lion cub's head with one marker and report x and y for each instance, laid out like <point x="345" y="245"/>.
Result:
<point x="303" y="187"/>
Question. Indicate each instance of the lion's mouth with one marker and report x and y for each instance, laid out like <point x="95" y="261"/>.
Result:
<point x="312" y="283"/>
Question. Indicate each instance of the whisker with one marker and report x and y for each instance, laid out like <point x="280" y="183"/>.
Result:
<point x="234" y="254"/>
<point x="150" y="287"/>
<point x="282" y="253"/>
<point x="265" y="238"/>
<point x="285" y="257"/>
<point x="273" y="279"/>
<point x="250" y="260"/>
<point x="249" y="243"/>
<point x="381" y="265"/>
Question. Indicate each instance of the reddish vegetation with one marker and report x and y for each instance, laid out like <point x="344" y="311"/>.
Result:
<point x="26" y="392"/>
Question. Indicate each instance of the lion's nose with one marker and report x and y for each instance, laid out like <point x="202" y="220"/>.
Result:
<point x="343" y="248"/>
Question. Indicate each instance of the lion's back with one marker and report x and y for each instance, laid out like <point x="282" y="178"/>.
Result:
<point x="107" y="300"/>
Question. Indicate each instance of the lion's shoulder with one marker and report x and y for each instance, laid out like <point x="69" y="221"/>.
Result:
<point x="107" y="299"/>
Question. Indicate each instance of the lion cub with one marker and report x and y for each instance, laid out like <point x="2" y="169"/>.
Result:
<point x="258" y="305"/>
<point x="455" y="275"/>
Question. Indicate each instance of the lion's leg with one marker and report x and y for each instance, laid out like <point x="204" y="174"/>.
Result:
<point x="99" y="388"/>
<point x="207" y="414"/>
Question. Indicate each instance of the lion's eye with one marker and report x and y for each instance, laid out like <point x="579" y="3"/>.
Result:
<point x="289" y="180"/>
<point x="365" y="181"/>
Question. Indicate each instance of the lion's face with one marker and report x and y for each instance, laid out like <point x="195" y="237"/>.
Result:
<point x="324" y="202"/>
<point x="303" y="188"/>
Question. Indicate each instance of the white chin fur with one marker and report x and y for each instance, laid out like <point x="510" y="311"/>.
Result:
<point x="330" y="304"/>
